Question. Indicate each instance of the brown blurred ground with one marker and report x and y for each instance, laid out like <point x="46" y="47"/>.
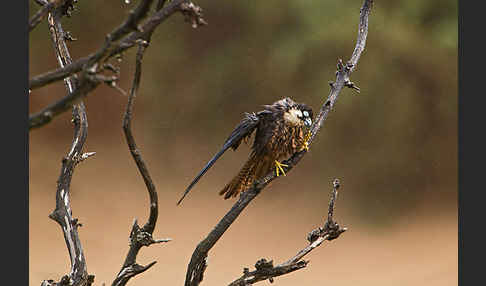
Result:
<point x="393" y="146"/>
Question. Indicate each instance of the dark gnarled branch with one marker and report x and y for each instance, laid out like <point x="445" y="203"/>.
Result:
<point x="63" y="7"/>
<point x="39" y="15"/>
<point x="110" y="49"/>
<point x="63" y="214"/>
<point x="265" y="270"/>
<point x="120" y="39"/>
<point x="90" y="73"/>
<point x="197" y="264"/>
<point x="138" y="236"/>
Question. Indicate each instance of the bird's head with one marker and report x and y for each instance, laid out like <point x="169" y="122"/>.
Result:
<point x="299" y="114"/>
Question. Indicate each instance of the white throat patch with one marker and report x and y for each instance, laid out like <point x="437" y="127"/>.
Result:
<point x="292" y="116"/>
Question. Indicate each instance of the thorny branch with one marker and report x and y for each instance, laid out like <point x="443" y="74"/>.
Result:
<point x="63" y="214"/>
<point x="265" y="270"/>
<point x="39" y="15"/>
<point x="198" y="262"/>
<point x="120" y="39"/>
<point x="138" y="236"/>
<point x="89" y="75"/>
<point x="110" y="48"/>
<point x="64" y="7"/>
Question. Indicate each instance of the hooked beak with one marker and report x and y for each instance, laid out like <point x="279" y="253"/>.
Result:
<point x="308" y="122"/>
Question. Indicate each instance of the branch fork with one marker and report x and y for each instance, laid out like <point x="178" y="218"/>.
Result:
<point x="265" y="270"/>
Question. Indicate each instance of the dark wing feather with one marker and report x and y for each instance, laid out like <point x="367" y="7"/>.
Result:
<point x="244" y="129"/>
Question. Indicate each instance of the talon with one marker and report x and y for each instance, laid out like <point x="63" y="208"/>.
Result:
<point x="278" y="168"/>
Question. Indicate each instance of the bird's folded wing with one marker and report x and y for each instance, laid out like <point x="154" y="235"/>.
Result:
<point x="244" y="129"/>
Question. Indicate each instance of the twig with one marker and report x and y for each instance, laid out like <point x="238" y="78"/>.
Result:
<point x="86" y="84"/>
<point x="109" y="49"/>
<point x="89" y="68"/>
<point x="197" y="265"/>
<point x="63" y="214"/>
<point x="265" y="269"/>
<point x="138" y="236"/>
<point x="89" y="65"/>
<point x="39" y="15"/>
<point x="41" y="2"/>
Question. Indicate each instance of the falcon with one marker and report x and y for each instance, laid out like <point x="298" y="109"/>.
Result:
<point x="282" y="129"/>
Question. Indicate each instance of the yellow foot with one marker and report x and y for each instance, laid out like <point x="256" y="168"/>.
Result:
<point x="278" y="168"/>
<point x="305" y="146"/>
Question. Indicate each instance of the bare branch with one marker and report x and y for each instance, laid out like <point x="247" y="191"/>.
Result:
<point x="39" y="15"/>
<point x="131" y="23"/>
<point x="86" y="63"/>
<point x="87" y="83"/>
<point x="41" y="2"/>
<point x="197" y="265"/>
<point x="138" y="236"/>
<point x="265" y="270"/>
<point x="109" y="49"/>
<point x="89" y="66"/>
<point x="63" y="214"/>
<point x="90" y="77"/>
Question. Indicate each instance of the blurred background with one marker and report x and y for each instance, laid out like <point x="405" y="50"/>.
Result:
<point x="393" y="146"/>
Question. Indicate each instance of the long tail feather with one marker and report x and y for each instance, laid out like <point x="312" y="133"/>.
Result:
<point x="203" y="171"/>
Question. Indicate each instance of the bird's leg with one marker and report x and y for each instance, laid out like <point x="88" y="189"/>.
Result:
<point x="278" y="168"/>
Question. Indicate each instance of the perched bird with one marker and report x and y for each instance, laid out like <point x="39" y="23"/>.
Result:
<point x="282" y="129"/>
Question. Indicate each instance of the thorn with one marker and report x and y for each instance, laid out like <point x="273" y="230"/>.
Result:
<point x="142" y="42"/>
<point x="349" y="65"/>
<point x="351" y="84"/>
<point x="85" y="156"/>
<point x="69" y="37"/>
<point x="163" y="240"/>
<point x="340" y="65"/>
<point x="111" y="67"/>
<point x="92" y="69"/>
<point x="117" y="88"/>
<point x="336" y="184"/>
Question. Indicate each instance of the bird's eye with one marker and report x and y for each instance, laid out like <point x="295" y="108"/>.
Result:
<point x="306" y="114"/>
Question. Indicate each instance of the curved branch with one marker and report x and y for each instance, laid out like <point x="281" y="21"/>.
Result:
<point x="89" y="77"/>
<point x="138" y="236"/>
<point x="197" y="265"/>
<point x="63" y="214"/>
<point x="87" y="83"/>
<point x="109" y="49"/>
<point x="90" y="66"/>
<point x="265" y="269"/>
